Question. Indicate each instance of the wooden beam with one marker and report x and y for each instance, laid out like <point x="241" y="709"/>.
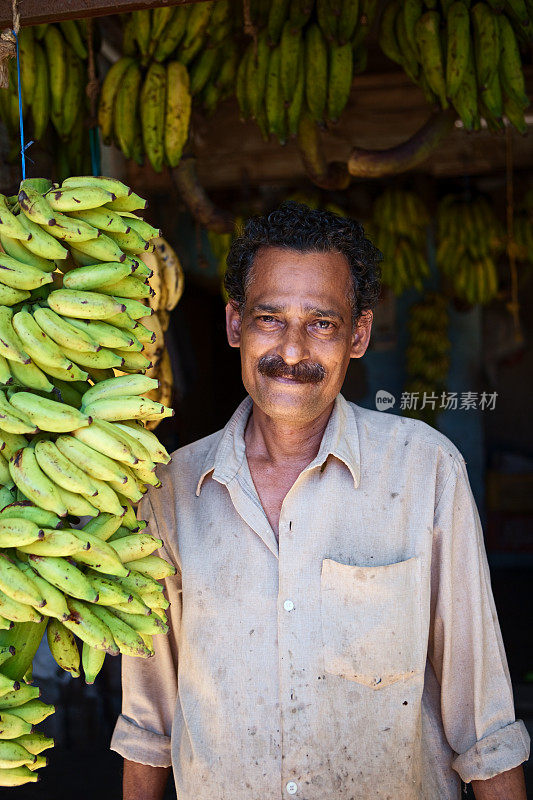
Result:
<point x="35" y="12"/>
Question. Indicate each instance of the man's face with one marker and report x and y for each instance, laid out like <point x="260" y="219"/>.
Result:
<point x="296" y="336"/>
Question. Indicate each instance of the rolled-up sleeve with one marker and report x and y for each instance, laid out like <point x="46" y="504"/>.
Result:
<point x="466" y="647"/>
<point x="149" y="686"/>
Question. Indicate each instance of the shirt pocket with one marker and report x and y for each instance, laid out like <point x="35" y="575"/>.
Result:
<point x="372" y="621"/>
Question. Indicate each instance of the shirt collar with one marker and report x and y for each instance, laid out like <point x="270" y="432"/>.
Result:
<point x="340" y="439"/>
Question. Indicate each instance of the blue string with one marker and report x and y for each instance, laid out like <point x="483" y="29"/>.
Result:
<point x="95" y="151"/>
<point x="23" y="147"/>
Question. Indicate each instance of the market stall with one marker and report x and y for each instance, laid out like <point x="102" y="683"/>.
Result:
<point x="412" y="117"/>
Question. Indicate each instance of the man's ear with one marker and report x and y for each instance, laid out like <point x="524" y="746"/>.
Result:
<point x="361" y="334"/>
<point x="233" y="325"/>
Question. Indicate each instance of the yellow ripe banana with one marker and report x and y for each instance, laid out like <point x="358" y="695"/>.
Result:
<point x="16" y="611"/>
<point x="100" y="556"/>
<point x="152" y="107"/>
<point x="18" y="275"/>
<point x="172" y="273"/>
<point x="62" y="470"/>
<point x="64" y="576"/>
<point x="31" y="376"/>
<point x="63" y="647"/>
<point x="152" y="567"/>
<point x="51" y="415"/>
<point x="81" y="304"/>
<point x="33" y="712"/>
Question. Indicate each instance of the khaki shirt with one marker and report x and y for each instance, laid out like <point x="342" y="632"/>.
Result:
<point x="360" y="658"/>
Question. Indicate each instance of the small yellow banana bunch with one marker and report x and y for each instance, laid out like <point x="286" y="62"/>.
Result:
<point x="167" y="283"/>
<point x="398" y="229"/>
<point x="466" y="55"/>
<point x="21" y="747"/>
<point x="53" y="76"/>
<point x="469" y="237"/>
<point x="427" y="357"/>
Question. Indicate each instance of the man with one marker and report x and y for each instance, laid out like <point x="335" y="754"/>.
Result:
<point x="333" y="634"/>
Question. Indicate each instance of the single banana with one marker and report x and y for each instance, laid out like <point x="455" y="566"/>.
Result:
<point x="175" y="30"/>
<point x="77" y="504"/>
<point x="13" y="755"/>
<point x="148" y="440"/>
<point x="31" y="376"/>
<point x="152" y="107"/>
<point x="340" y="79"/>
<point x="85" y="305"/>
<point x="35" y="743"/>
<point x="135" y="546"/>
<point x="96" y="276"/>
<point x="16" y="611"/>
<point x="10" y="225"/>
<point x="103" y="248"/>
<point x="62" y="470"/>
<point x="49" y="414"/>
<point x="17" y="275"/>
<point x="316" y="72"/>
<point x="78" y="198"/>
<point x="40" y="107"/>
<point x="511" y="70"/>
<point x="57" y="65"/>
<point x="64" y="576"/>
<point x="486" y="42"/>
<point x="428" y="41"/>
<point x="152" y="567"/>
<point x="63" y="647"/>
<point x="92" y="661"/>
<point x="16" y="532"/>
<point x="104" y="359"/>
<point x="126" y="407"/>
<point x="125" y="108"/>
<point x="40" y="242"/>
<point x="100" y="556"/>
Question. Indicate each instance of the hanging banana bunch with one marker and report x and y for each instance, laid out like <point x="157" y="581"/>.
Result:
<point x="21" y="747"/>
<point x="167" y="283"/>
<point x="53" y="77"/>
<point x="398" y="228"/>
<point x="304" y="60"/>
<point x="469" y="238"/>
<point x="170" y="56"/>
<point x="427" y="356"/>
<point x="75" y="440"/>
<point x="463" y="54"/>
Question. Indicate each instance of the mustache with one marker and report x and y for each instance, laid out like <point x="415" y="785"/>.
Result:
<point x="304" y="372"/>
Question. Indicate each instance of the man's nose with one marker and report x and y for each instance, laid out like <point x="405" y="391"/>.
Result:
<point x="293" y="347"/>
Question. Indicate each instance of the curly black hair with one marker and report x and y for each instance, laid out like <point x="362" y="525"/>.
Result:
<point x="295" y="226"/>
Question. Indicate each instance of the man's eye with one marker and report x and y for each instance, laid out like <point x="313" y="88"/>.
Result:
<point x="324" y="324"/>
<point x="266" y="318"/>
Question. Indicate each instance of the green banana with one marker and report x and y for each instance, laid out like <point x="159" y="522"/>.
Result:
<point x="486" y="42"/>
<point x="85" y="305"/>
<point x="32" y="481"/>
<point x="62" y="332"/>
<point x="64" y="576"/>
<point x="429" y="45"/>
<point x="340" y="79"/>
<point x="92" y="661"/>
<point x="316" y="72"/>
<point x="125" y="108"/>
<point x="88" y="626"/>
<point x="37" y="343"/>
<point x="152" y="107"/>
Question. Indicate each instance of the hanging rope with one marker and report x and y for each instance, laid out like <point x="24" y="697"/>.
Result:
<point x="513" y="305"/>
<point x="92" y="90"/>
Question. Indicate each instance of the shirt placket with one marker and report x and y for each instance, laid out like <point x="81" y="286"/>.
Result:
<point x="294" y="664"/>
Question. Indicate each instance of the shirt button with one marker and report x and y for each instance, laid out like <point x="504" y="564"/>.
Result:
<point x="291" y="787"/>
<point x="288" y="605"/>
